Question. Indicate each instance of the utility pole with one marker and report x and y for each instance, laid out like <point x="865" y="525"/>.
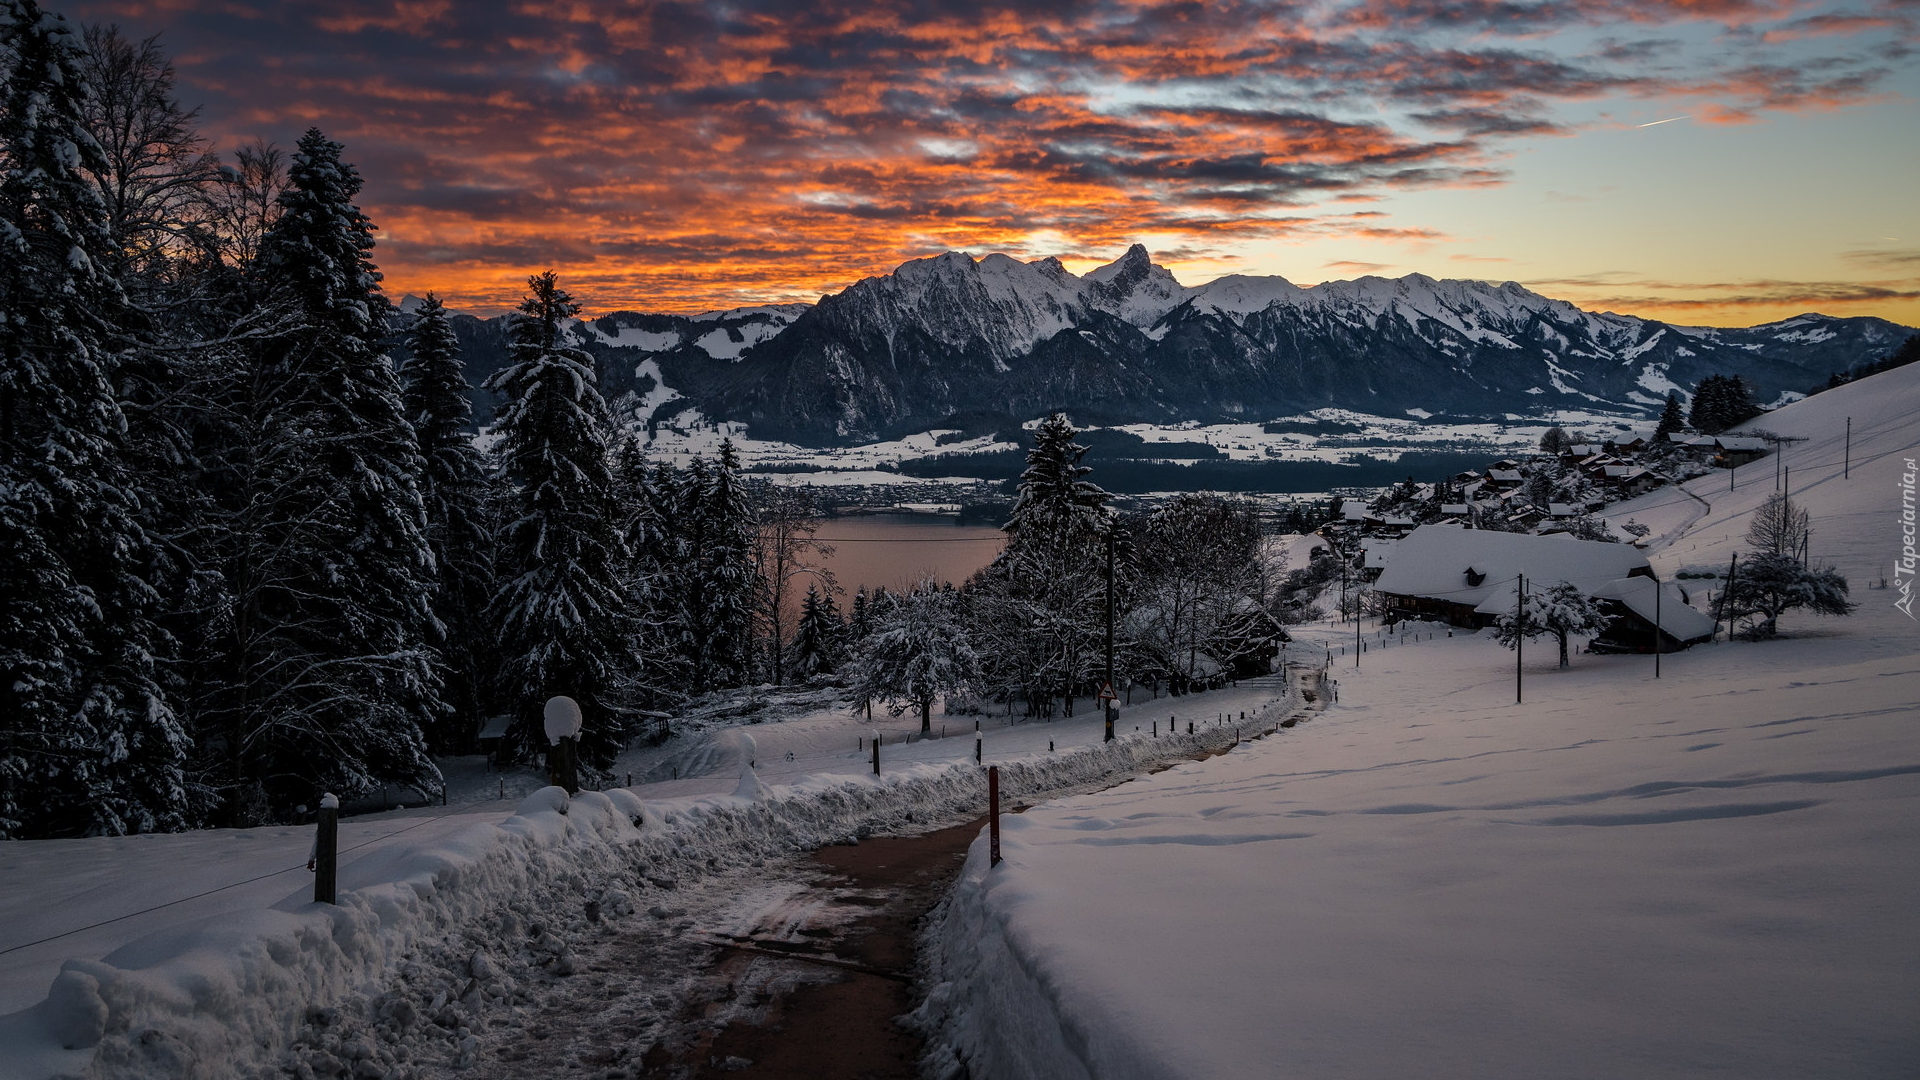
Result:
<point x="1846" y="463"/>
<point x="1520" y="632"/>
<point x="1356" y="635"/>
<point x="1733" y="567"/>
<point x="1658" y="641"/>
<point x="1343" y="581"/>
<point x="1108" y="703"/>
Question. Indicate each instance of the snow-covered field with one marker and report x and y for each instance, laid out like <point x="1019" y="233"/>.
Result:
<point x="209" y="959"/>
<point x="1323" y="435"/>
<point x="1710" y="873"/>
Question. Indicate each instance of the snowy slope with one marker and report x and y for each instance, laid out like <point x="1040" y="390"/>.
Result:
<point x="1708" y="873"/>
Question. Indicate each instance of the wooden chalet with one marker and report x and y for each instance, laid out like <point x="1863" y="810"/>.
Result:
<point x="1631" y="605"/>
<point x="1468" y="577"/>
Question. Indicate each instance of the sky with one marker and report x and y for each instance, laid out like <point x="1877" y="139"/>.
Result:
<point x="1722" y="162"/>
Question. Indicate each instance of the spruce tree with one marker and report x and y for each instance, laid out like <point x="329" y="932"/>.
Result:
<point x="717" y="589"/>
<point x="659" y="571"/>
<point x="816" y="639"/>
<point x="1671" y="420"/>
<point x="453" y="487"/>
<point x="88" y="740"/>
<point x="561" y="619"/>
<point x="860" y="621"/>
<point x="1056" y="506"/>
<point x="1042" y="598"/>
<point x="728" y="562"/>
<point x="331" y="570"/>
<point x="1721" y="402"/>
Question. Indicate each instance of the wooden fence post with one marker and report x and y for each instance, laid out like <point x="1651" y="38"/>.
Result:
<point x="993" y="811"/>
<point x="326" y="849"/>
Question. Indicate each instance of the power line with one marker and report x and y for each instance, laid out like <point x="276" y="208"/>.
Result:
<point x="907" y="539"/>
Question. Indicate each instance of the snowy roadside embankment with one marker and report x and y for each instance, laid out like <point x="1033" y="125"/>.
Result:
<point x="406" y="966"/>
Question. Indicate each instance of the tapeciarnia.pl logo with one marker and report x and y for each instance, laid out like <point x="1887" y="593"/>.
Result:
<point x="1903" y="567"/>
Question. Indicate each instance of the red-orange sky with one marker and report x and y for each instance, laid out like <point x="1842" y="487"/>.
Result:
<point x="669" y="156"/>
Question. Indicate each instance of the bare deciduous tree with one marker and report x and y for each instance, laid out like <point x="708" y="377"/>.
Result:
<point x="155" y="166"/>
<point x="785" y="550"/>
<point x="1780" y="526"/>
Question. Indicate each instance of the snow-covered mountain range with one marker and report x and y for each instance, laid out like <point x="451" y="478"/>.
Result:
<point x="962" y="342"/>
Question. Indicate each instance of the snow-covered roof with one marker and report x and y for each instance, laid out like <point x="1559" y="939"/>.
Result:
<point x="1740" y="442"/>
<point x="1379" y="551"/>
<point x="1676" y="618"/>
<point x="1434" y="560"/>
<point x="1453" y="508"/>
<point x="1560" y="509"/>
<point x="1624" y="472"/>
<point x="1583" y="449"/>
<point x="495" y="727"/>
<point x="1505" y="475"/>
<point x="1353" y="510"/>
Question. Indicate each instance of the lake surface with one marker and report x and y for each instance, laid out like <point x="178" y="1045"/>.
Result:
<point x="898" y="550"/>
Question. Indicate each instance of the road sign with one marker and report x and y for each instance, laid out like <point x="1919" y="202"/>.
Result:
<point x="1106" y="693"/>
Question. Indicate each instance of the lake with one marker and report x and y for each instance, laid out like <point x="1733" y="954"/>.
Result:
<point x="898" y="550"/>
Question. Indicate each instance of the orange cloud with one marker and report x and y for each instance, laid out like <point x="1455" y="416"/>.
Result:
<point x="684" y="155"/>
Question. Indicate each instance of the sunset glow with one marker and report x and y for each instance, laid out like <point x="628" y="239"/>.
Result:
<point x="687" y="157"/>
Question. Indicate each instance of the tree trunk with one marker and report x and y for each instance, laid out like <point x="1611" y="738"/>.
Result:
<point x="1563" y="647"/>
<point x="926" y="716"/>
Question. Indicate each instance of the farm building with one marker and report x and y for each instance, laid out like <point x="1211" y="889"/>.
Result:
<point x="1468" y="576"/>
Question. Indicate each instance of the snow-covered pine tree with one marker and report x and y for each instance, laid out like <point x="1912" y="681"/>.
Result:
<point x="860" y="620"/>
<point x="88" y="741"/>
<point x="332" y="573"/>
<point x="453" y="488"/>
<point x="1056" y="505"/>
<point x="1720" y="402"/>
<point x="918" y="651"/>
<point x="724" y="563"/>
<point x="1040" y="607"/>
<point x="561" y="617"/>
<point x="815" y="648"/>
<point x="835" y="628"/>
<point x="1672" y="420"/>
<point x="659" y="572"/>
<point x="1560" y="610"/>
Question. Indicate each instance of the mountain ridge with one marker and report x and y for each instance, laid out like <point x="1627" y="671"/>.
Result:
<point x="951" y="334"/>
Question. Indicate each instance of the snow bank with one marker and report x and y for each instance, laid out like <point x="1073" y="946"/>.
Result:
<point x="419" y="943"/>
